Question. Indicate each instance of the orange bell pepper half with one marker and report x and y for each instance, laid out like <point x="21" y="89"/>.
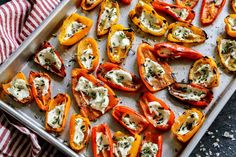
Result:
<point x="41" y="88"/>
<point x="89" y="5"/>
<point x="116" y="77"/>
<point x="86" y="96"/>
<point x="191" y="93"/>
<point x="58" y="110"/>
<point x="180" y="13"/>
<point x="210" y="11"/>
<point x="156" y="75"/>
<point x="188" y="124"/>
<point x="82" y="124"/>
<point x="233" y="5"/>
<point x="175" y="51"/>
<point x="15" y="88"/>
<point x="134" y="122"/>
<point x="187" y="3"/>
<point x="151" y="139"/>
<point x="56" y="66"/>
<point x="102" y="144"/>
<point x="156" y="111"/>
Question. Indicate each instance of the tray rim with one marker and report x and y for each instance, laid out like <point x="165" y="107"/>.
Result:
<point x="211" y="116"/>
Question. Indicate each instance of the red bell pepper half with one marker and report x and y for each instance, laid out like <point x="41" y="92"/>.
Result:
<point x="134" y="122"/>
<point x="180" y="13"/>
<point x="174" y="51"/>
<point x="156" y="111"/>
<point x="126" y="1"/>
<point x="102" y="144"/>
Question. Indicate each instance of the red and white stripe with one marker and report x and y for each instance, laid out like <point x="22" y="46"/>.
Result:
<point x="18" y="19"/>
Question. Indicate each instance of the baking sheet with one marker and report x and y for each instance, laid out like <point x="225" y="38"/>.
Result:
<point x="31" y="114"/>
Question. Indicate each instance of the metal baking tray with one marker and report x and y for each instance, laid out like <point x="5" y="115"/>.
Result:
<point x="31" y="116"/>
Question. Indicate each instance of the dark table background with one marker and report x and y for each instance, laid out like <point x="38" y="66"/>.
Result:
<point x="214" y="143"/>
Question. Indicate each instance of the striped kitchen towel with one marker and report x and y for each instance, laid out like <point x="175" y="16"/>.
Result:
<point x="18" y="19"/>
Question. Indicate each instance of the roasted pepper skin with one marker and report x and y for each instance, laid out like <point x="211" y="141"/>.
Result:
<point x="83" y="45"/>
<point x="106" y="130"/>
<point x="133" y="14"/>
<point x="209" y="11"/>
<point x="196" y="30"/>
<point x="181" y="119"/>
<point x="78" y="35"/>
<point x="228" y="27"/>
<point x="181" y="87"/>
<point x="205" y="60"/>
<point x="135" y="145"/>
<point x="19" y="75"/>
<point x="121" y="111"/>
<point x="149" y="97"/>
<point x="52" y="68"/>
<point x="88" y="7"/>
<point x="41" y="100"/>
<point x="86" y="110"/>
<point x="121" y="55"/>
<point x="106" y="67"/>
<point x="165" y="7"/>
<point x="87" y="125"/>
<point x="154" y="138"/>
<point x="187" y="3"/>
<point x="146" y="51"/>
<point x="59" y="98"/>
<point x="175" y="51"/>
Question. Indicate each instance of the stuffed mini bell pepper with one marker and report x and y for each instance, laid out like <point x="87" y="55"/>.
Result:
<point x="125" y="145"/>
<point x="179" y="13"/>
<point x="156" y="75"/>
<point x="134" y="122"/>
<point x="187" y="3"/>
<point x="151" y="145"/>
<point x="79" y="132"/>
<point x="175" y="51"/>
<point x="186" y="33"/>
<point x="187" y="124"/>
<point x="227" y="52"/>
<point x="18" y="88"/>
<point x="117" y="77"/>
<point x="88" y="54"/>
<point x="233" y="5"/>
<point x="204" y="72"/>
<point x="102" y="144"/>
<point x="57" y="113"/>
<point x="41" y="88"/>
<point x="147" y="19"/>
<point x="93" y="97"/>
<point x="108" y="16"/>
<point x="89" y="4"/>
<point x="230" y="25"/>
<point x="210" y="10"/>
<point x="119" y="43"/>
<point x="49" y="59"/>
<point x="74" y="28"/>
<point x="192" y="94"/>
<point x="156" y="111"/>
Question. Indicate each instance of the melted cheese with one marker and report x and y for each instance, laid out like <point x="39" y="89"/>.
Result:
<point x="123" y="146"/>
<point x="232" y="22"/>
<point x="181" y="13"/>
<point x="152" y="70"/>
<point x="130" y="122"/>
<point x="78" y="135"/>
<point x="98" y="96"/>
<point x="191" y="121"/>
<point x="42" y="84"/>
<point x="73" y="28"/>
<point x="48" y="57"/>
<point x="149" y="149"/>
<point x="55" y="116"/>
<point x="161" y="116"/>
<point x="108" y="17"/>
<point x="102" y="142"/>
<point x="119" y="39"/>
<point x="19" y="89"/>
<point x="191" y="94"/>
<point x="90" y="2"/>
<point x="119" y="77"/>
<point x="87" y="58"/>
<point x="183" y="33"/>
<point x="206" y="74"/>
